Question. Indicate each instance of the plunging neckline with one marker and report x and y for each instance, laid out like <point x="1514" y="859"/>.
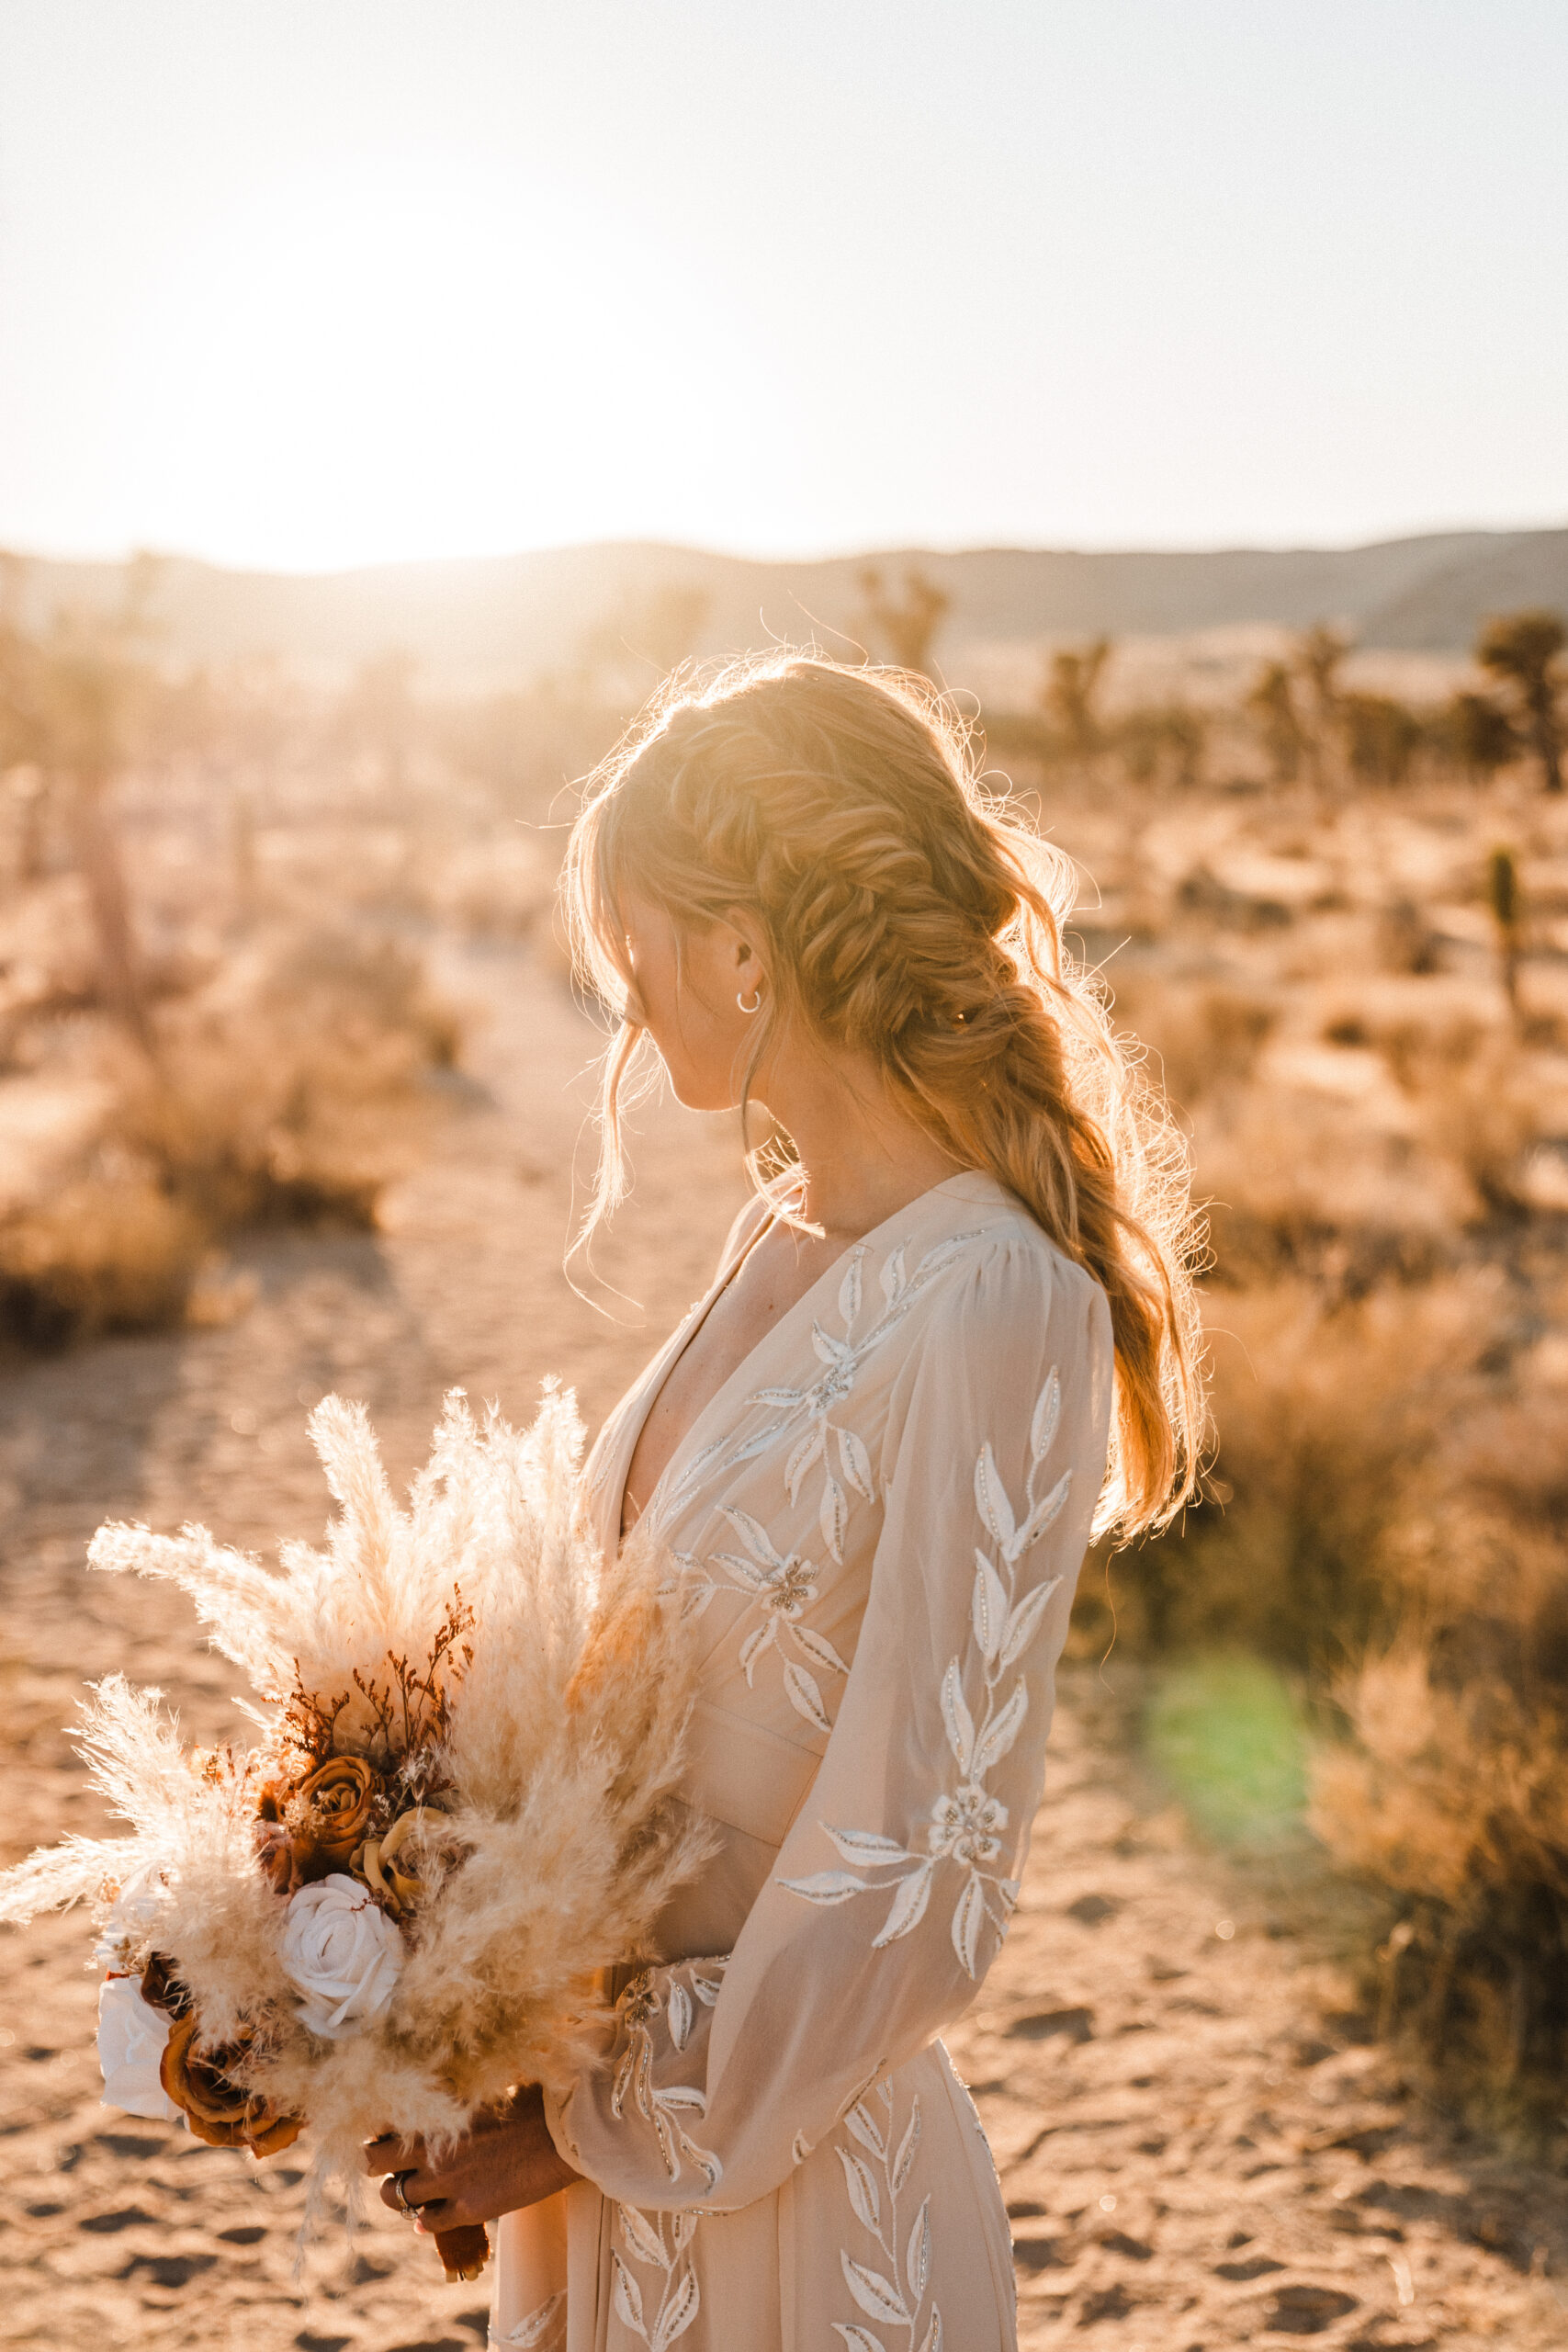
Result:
<point x="680" y="1338"/>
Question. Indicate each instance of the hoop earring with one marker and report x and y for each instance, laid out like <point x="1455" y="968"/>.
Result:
<point x="756" y="1003"/>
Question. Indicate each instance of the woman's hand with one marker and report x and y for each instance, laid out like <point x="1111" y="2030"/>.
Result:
<point x="507" y="2161"/>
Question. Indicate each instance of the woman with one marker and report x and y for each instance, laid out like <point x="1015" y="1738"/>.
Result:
<point x="949" y="1339"/>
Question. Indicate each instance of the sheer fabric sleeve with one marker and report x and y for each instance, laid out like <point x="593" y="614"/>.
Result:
<point x="893" y="1891"/>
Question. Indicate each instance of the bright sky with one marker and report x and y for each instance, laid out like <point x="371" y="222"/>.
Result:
<point x="306" y="282"/>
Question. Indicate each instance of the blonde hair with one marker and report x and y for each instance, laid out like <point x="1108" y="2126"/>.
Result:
<point x="913" y="917"/>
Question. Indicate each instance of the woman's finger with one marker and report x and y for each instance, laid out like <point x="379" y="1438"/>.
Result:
<point x="390" y="2154"/>
<point x="407" y="2187"/>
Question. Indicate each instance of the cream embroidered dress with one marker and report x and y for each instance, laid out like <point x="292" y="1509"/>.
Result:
<point x="883" y="1511"/>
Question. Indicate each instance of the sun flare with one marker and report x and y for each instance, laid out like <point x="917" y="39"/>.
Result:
<point x="392" y="360"/>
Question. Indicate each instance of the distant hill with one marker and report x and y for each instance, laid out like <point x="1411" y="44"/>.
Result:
<point x="508" y="618"/>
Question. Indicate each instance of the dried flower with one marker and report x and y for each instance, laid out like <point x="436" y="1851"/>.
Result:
<point x="392" y="1866"/>
<point x="334" y="1807"/>
<point x="217" y="2109"/>
<point x="274" y="1851"/>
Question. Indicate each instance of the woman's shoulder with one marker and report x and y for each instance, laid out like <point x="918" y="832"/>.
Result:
<point x="1008" y="1318"/>
<point x="1014" y="1268"/>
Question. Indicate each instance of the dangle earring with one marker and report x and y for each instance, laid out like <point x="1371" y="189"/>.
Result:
<point x="756" y="1003"/>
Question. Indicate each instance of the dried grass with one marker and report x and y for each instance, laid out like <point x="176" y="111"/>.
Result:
<point x="102" y="1256"/>
<point x="1451" y="1793"/>
<point x="1326" y="1412"/>
<point x="292" y="1089"/>
<point x="252" y="1121"/>
<point x="1201" y="1035"/>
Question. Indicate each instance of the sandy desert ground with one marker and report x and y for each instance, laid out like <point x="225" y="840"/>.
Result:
<point x="1199" y="2142"/>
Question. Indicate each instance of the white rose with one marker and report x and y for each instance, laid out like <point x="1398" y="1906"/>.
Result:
<point x="342" y="1952"/>
<point x="131" y="2035"/>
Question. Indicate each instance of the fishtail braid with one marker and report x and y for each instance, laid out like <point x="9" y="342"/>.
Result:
<point x="912" y="917"/>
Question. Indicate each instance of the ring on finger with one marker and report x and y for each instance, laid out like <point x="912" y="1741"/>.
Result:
<point x="401" y="2193"/>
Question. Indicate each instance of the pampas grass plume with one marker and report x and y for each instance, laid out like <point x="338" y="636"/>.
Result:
<point x="561" y="1749"/>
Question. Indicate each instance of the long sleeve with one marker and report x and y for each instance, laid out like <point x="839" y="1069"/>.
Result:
<point x="892" y="1890"/>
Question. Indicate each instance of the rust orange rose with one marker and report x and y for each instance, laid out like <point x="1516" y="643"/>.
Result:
<point x="306" y="1832"/>
<point x="217" y="2110"/>
<point x="335" y="1804"/>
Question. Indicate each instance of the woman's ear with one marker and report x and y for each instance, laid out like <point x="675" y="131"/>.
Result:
<point x="744" y="943"/>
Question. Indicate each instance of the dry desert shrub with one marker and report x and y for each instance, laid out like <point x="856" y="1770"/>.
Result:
<point x="295" y="1095"/>
<point x="1303" y="1186"/>
<point x="1201" y="1035"/>
<point x="1424" y="1134"/>
<point x="1328" y="1414"/>
<point x="1485" y="1104"/>
<point x="292" y="1091"/>
<point x="249" y="1126"/>
<point x="1487" y="1121"/>
<point x="103" y="1255"/>
<point x="501" y="887"/>
<point x="1453" y="1795"/>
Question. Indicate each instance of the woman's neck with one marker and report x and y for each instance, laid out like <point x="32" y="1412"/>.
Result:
<point x="862" y="1156"/>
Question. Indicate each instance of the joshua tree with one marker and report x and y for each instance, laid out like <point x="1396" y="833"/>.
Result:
<point x="1525" y="649"/>
<point x="908" y="627"/>
<point x="1318" y="658"/>
<point x="1271" y="705"/>
<point x="1480" y="735"/>
<point x="1503" y="898"/>
<point x="1069" y="695"/>
<point x="1381" y="737"/>
<point x="1170" y="738"/>
<point x="66" y="701"/>
<point x="93" y="688"/>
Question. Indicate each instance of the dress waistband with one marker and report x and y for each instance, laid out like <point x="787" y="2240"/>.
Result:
<point x="753" y="1779"/>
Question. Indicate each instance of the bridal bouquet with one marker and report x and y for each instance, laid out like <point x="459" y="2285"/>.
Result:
<point x="394" y="1906"/>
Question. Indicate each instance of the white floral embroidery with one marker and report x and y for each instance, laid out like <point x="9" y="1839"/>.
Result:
<point x="875" y="2179"/>
<point x="814" y="1403"/>
<point x="539" y="2331"/>
<point x="680" y="2298"/>
<point x="780" y="1586"/>
<point x="840" y="1452"/>
<point x="662" y="2105"/>
<point x="965" y="1822"/>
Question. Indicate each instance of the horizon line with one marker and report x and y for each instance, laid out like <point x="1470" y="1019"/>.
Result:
<point x="904" y="551"/>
